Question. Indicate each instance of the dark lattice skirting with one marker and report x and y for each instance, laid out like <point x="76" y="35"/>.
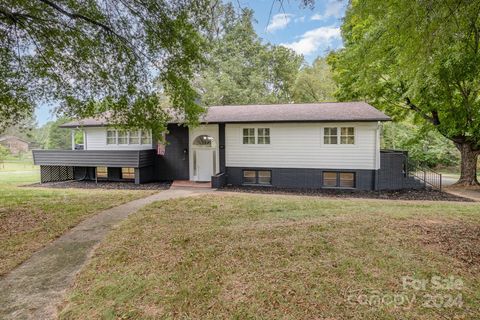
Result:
<point x="55" y="173"/>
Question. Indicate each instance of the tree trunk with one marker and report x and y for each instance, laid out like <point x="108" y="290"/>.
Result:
<point x="468" y="173"/>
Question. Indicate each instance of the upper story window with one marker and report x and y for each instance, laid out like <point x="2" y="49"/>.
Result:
<point x="263" y="136"/>
<point x="122" y="137"/>
<point x="256" y="136"/>
<point x="128" y="137"/>
<point x="249" y="136"/>
<point x="347" y="135"/>
<point x="331" y="135"/>
<point x="111" y="137"/>
<point x="145" y="137"/>
<point x="133" y="137"/>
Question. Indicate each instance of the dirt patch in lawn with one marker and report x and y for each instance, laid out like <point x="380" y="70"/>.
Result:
<point x="120" y="185"/>
<point x="427" y="194"/>
<point x="457" y="239"/>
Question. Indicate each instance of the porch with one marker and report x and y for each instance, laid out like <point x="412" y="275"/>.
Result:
<point x="60" y="165"/>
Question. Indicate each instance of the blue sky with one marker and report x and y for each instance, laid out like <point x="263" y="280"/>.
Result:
<point x="311" y="32"/>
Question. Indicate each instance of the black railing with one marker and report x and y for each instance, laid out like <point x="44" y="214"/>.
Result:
<point x="427" y="176"/>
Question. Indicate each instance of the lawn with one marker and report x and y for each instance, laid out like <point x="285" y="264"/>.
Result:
<point x="32" y="217"/>
<point x="285" y="257"/>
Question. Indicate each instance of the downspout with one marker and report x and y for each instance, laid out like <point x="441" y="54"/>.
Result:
<point x="375" y="156"/>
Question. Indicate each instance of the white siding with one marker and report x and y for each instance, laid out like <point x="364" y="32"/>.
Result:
<point x="300" y="145"/>
<point x="96" y="139"/>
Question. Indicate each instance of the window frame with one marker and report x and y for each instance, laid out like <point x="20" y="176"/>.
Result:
<point x="338" y="183"/>
<point x="339" y="136"/>
<point x="103" y="174"/>
<point x="118" y="137"/>
<point x="115" y="140"/>
<point x="148" y="137"/>
<point x="137" y="133"/>
<point x="346" y="136"/>
<point x="132" y="174"/>
<point x="264" y="136"/>
<point x="256" y="177"/>
<point x="330" y="135"/>
<point x="249" y="136"/>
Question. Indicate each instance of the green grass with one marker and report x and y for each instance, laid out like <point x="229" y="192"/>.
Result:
<point x="17" y="165"/>
<point x="32" y="217"/>
<point x="280" y="257"/>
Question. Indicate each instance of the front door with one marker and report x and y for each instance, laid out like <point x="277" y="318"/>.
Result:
<point x="204" y="164"/>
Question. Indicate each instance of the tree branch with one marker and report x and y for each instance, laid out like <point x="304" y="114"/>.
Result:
<point x="433" y="119"/>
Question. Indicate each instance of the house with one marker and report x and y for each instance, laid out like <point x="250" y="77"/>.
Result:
<point x="319" y="145"/>
<point x="16" y="145"/>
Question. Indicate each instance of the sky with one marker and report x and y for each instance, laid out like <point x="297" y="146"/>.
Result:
<point x="310" y="32"/>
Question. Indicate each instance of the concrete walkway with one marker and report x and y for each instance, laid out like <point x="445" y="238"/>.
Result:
<point x="472" y="194"/>
<point x="36" y="288"/>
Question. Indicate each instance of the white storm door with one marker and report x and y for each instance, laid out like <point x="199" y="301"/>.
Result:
<point x="204" y="164"/>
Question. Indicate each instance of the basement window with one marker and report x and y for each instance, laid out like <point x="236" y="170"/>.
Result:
<point x="102" y="172"/>
<point x="339" y="179"/>
<point x="128" y="173"/>
<point x="260" y="177"/>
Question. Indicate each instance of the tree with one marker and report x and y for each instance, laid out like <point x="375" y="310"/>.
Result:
<point x="4" y="153"/>
<point x="419" y="57"/>
<point x="243" y="70"/>
<point x="314" y="83"/>
<point x="58" y="138"/>
<point x="424" y="145"/>
<point x="119" y="52"/>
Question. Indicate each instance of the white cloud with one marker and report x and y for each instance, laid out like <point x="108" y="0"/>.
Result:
<point x="334" y="9"/>
<point x="313" y="40"/>
<point x="279" y="21"/>
<point x="300" y="19"/>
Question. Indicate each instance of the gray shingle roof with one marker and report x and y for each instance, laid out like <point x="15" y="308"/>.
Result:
<point x="298" y="112"/>
<point x="328" y="111"/>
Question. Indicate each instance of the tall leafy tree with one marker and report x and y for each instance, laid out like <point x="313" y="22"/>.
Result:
<point x="420" y="57"/>
<point x="119" y="52"/>
<point x="242" y="69"/>
<point x="56" y="137"/>
<point x="315" y="83"/>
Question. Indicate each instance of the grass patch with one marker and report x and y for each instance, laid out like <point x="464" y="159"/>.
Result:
<point x="264" y="257"/>
<point x="32" y="217"/>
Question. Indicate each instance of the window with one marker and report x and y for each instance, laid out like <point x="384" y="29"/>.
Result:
<point x="102" y="172"/>
<point x="330" y="136"/>
<point x="330" y="179"/>
<point x="249" y="136"/>
<point x="263" y="177"/>
<point x="249" y="177"/>
<point x="128" y="173"/>
<point x="347" y="179"/>
<point x="111" y="137"/>
<point x="263" y="135"/>
<point x="146" y="137"/>
<point x="339" y="179"/>
<point x="347" y="135"/>
<point x="122" y="137"/>
<point x="133" y="137"/>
